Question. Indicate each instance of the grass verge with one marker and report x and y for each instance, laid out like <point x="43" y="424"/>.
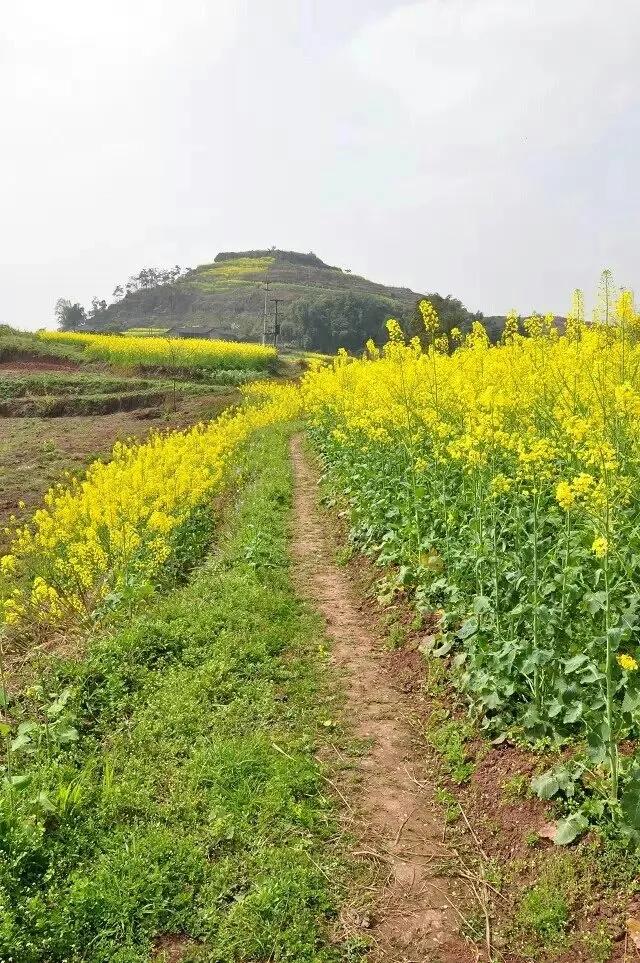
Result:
<point x="171" y="785"/>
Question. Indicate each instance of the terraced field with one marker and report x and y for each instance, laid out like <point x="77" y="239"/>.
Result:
<point x="49" y="395"/>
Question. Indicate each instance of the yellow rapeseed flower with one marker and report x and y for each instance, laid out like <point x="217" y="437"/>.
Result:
<point x="565" y="496"/>
<point x="627" y="662"/>
<point x="600" y="546"/>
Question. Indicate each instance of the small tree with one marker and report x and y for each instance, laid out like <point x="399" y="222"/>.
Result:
<point x="69" y="315"/>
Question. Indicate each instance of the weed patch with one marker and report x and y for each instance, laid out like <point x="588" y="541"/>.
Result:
<point x="448" y="737"/>
<point x="542" y="917"/>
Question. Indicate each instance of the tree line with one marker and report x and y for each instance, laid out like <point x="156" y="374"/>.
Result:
<point x="72" y="315"/>
<point x="350" y="319"/>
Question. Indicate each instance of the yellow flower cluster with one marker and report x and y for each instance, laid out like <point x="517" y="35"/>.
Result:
<point x="167" y="353"/>
<point x="565" y="495"/>
<point x="600" y="546"/>
<point x="120" y="519"/>
<point x="627" y="662"/>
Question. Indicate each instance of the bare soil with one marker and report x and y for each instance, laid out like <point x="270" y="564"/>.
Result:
<point x="393" y="814"/>
<point x="171" y="947"/>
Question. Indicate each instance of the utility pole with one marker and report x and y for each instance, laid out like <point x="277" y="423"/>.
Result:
<point x="276" y="327"/>
<point x="264" y="320"/>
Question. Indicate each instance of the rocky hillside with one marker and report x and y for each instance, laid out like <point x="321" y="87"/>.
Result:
<point x="319" y="307"/>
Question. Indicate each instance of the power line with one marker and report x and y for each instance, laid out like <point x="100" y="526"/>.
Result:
<point x="264" y="320"/>
<point x="276" y="327"/>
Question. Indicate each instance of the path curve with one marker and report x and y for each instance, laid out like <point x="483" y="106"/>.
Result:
<point x="415" y="916"/>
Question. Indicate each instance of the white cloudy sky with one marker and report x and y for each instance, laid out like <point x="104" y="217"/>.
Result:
<point x="483" y="148"/>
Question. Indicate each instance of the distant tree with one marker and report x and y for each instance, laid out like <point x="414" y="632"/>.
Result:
<point x="98" y="309"/>
<point x="69" y="315"/>
<point x="118" y="293"/>
<point x="344" y="320"/>
<point x="494" y="326"/>
<point x="146" y="278"/>
<point x="149" y="278"/>
<point x="169" y="276"/>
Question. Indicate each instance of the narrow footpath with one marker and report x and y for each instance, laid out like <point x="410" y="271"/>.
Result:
<point x="394" y="818"/>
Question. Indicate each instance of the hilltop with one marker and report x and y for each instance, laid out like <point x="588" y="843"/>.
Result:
<point x="320" y="307"/>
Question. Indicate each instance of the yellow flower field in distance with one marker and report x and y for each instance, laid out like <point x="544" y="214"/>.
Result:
<point x="185" y="354"/>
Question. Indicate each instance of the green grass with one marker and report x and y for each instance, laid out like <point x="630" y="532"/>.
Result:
<point x="50" y="383"/>
<point x="232" y="377"/>
<point x="542" y="916"/>
<point x="517" y="786"/>
<point x="47" y="384"/>
<point x="544" y="913"/>
<point x="21" y="344"/>
<point x="301" y="355"/>
<point x="448" y="803"/>
<point x="449" y="737"/>
<point x="191" y="800"/>
<point x="52" y="406"/>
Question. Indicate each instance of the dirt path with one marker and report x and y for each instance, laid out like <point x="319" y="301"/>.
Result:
<point x="396" y="821"/>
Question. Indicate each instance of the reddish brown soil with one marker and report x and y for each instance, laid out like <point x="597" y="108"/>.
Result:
<point x="171" y="947"/>
<point x="392" y="810"/>
<point x="33" y="364"/>
<point x="503" y="816"/>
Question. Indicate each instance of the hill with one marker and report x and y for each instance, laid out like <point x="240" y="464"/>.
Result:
<point x="320" y="307"/>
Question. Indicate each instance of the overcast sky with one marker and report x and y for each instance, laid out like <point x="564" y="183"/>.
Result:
<point x="487" y="149"/>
